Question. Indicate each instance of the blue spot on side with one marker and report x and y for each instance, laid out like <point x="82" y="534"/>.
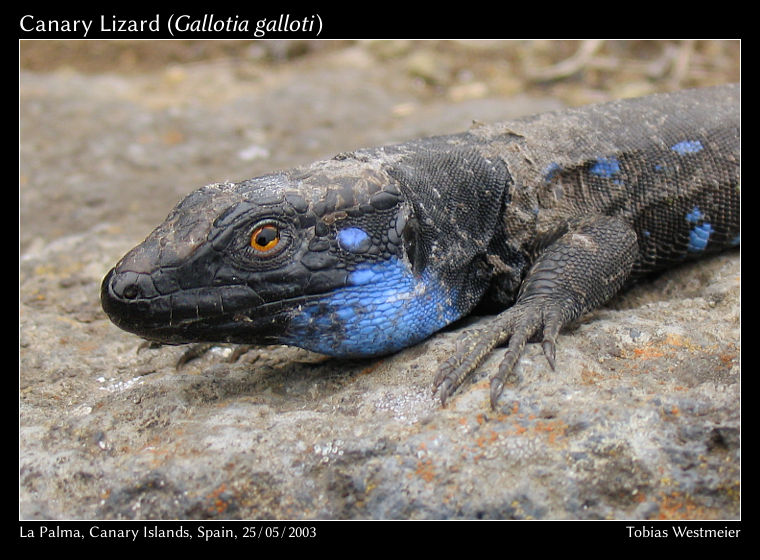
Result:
<point x="735" y="242"/>
<point x="606" y="167"/>
<point x="687" y="147"/>
<point x="694" y="216"/>
<point x="383" y="309"/>
<point x="700" y="233"/>
<point x="354" y="240"/>
<point x="699" y="237"/>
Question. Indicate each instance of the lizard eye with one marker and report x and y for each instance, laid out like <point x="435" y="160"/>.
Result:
<point x="265" y="238"/>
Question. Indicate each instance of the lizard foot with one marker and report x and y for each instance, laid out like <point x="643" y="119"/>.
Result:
<point x="517" y="325"/>
<point x="580" y="270"/>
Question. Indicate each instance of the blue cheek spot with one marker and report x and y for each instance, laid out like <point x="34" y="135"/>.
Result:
<point x="606" y="167"/>
<point x="687" y="147"/>
<point x="383" y="309"/>
<point x="354" y="240"/>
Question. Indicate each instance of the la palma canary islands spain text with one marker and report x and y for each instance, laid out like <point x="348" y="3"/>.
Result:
<point x="183" y="532"/>
<point x="174" y="25"/>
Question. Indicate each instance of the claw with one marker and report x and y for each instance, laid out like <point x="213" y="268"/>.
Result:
<point x="445" y="393"/>
<point x="551" y="331"/>
<point x="550" y="351"/>
<point x="471" y="350"/>
<point x="148" y="344"/>
<point x="522" y="331"/>
<point x="239" y="351"/>
<point x="506" y="370"/>
<point x="497" y="386"/>
<point x="194" y="351"/>
<point x="197" y="350"/>
<point x="455" y="370"/>
<point x="516" y="325"/>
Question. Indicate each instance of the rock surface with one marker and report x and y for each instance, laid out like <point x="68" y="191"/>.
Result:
<point x="640" y="420"/>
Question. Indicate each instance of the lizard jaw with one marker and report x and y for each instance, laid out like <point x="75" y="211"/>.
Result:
<point x="383" y="308"/>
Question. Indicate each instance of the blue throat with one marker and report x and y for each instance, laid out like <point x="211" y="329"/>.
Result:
<point x="383" y="309"/>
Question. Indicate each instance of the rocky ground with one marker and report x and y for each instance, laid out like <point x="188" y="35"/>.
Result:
<point x="640" y="420"/>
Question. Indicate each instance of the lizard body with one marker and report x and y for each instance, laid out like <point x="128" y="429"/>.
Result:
<point x="542" y="218"/>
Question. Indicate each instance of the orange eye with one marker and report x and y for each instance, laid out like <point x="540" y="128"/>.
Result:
<point x="265" y="238"/>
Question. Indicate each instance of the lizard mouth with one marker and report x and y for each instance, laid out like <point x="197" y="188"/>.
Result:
<point x="231" y="313"/>
<point x="382" y="309"/>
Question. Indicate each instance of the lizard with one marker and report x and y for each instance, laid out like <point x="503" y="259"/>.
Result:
<point x="538" y="220"/>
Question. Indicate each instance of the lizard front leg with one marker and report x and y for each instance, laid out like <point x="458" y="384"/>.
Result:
<point x="578" y="272"/>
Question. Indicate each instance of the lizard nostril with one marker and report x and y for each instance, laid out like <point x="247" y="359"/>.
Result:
<point x="125" y="285"/>
<point x="130" y="292"/>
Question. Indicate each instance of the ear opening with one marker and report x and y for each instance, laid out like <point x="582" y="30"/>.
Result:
<point x="410" y="238"/>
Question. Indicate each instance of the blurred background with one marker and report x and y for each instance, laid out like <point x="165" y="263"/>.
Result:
<point x="573" y="70"/>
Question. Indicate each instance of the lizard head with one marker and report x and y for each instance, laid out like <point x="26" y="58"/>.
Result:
<point x="302" y="258"/>
<point x="340" y="257"/>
